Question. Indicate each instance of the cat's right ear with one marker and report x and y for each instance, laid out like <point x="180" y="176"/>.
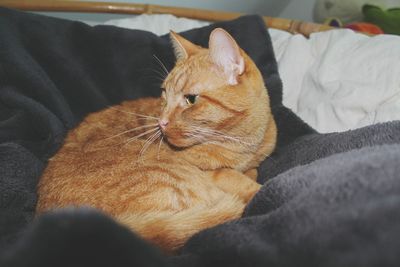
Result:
<point x="225" y="53"/>
<point x="183" y="48"/>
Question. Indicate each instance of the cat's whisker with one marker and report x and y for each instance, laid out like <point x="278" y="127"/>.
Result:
<point x="136" y="114"/>
<point x="159" y="146"/>
<point x="148" y="142"/>
<point x="161" y="75"/>
<point x="218" y="134"/>
<point x="215" y="132"/>
<point x="141" y="119"/>
<point x="200" y="137"/>
<point x="154" y="74"/>
<point x="206" y="139"/>
<point x="161" y="64"/>
<point x="201" y="134"/>
<point x="227" y="138"/>
<point x="132" y="130"/>
<point x="140" y="135"/>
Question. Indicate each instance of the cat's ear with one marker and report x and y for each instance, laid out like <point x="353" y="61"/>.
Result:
<point x="225" y="53"/>
<point x="183" y="48"/>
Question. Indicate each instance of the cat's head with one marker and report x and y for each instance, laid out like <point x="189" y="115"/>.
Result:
<point x="212" y="95"/>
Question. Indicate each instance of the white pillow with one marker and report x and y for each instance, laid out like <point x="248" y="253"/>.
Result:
<point x="340" y="80"/>
<point x="158" y="23"/>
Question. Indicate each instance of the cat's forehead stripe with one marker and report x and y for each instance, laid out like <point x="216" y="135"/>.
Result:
<point x="178" y="80"/>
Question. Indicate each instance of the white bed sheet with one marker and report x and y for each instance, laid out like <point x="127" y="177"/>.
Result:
<point x="340" y="80"/>
<point x="335" y="81"/>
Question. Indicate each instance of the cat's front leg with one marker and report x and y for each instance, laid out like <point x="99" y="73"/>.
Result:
<point x="235" y="183"/>
<point x="252" y="174"/>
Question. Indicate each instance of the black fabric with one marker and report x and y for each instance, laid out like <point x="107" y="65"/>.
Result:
<point x="328" y="200"/>
<point x="83" y="238"/>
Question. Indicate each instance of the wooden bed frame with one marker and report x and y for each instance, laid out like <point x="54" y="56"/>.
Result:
<point x="293" y="26"/>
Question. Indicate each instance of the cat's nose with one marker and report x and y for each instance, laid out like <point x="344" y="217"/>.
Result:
<point x="163" y="123"/>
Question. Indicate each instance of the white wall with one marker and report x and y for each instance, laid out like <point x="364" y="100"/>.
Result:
<point x="300" y="10"/>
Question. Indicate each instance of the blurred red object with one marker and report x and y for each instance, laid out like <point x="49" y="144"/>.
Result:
<point x="365" y="27"/>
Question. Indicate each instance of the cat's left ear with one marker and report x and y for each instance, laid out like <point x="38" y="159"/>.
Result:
<point x="225" y="53"/>
<point x="183" y="48"/>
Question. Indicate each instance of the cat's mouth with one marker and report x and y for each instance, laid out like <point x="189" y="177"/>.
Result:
<point x="179" y="142"/>
<point x="178" y="139"/>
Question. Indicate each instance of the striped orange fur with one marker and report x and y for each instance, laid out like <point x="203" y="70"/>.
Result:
<point x="169" y="167"/>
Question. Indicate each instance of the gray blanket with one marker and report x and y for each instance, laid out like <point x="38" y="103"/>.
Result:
<point x="341" y="210"/>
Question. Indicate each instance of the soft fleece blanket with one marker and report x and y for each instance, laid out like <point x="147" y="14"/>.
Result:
<point x="327" y="200"/>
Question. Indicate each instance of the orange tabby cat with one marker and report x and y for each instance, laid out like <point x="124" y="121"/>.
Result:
<point x="169" y="167"/>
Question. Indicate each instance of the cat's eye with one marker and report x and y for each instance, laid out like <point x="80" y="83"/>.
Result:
<point x="191" y="99"/>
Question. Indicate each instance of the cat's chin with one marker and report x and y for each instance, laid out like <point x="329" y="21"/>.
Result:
<point x="180" y="143"/>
